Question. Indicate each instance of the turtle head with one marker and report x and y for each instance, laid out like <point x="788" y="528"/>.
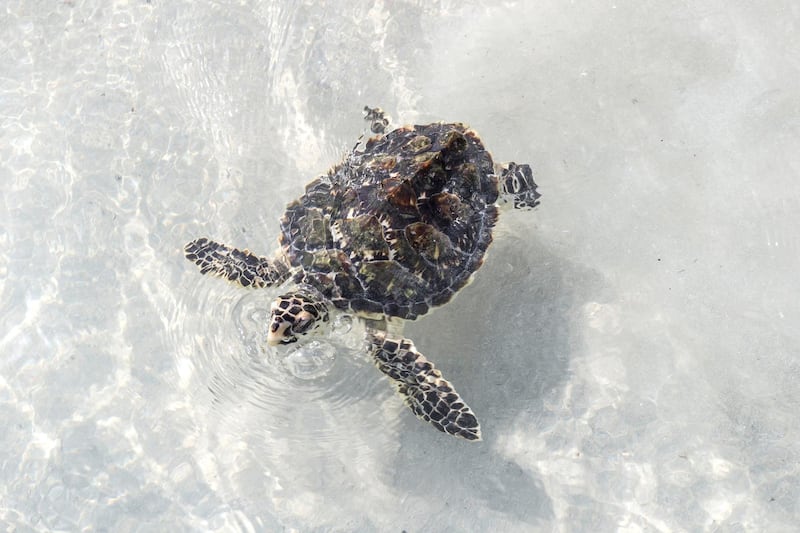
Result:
<point x="296" y="314"/>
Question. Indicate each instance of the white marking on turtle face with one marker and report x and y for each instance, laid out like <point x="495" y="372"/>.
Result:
<point x="276" y="337"/>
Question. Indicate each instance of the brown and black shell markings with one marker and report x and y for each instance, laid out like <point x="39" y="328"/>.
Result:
<point x="400" y="225"/>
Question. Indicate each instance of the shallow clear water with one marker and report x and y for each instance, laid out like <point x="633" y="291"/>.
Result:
<point x="631" y="347"/>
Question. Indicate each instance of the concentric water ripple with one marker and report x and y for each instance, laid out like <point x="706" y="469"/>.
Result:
<point x="329" y="374"/>
<point x="255" y="415"/>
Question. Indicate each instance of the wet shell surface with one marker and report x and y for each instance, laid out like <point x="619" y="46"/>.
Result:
<point x="400" y="225"/>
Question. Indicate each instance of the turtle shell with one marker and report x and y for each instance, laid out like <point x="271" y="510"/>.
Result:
<point x="400" y="225"/>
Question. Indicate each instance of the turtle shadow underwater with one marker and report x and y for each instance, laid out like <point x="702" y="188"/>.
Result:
<point x="513" y="329"/>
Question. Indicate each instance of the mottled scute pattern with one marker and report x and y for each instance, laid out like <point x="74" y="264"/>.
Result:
<point x="400" y="225"/>
<point x="238" y="266"/>
<point x="426" y="392"/>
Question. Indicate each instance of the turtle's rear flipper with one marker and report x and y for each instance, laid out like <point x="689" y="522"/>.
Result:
<point x="377" y="125"/>
<point x="238" y="266"/>
<point x="377" y="118"/>
<point x="517" y="185"/>
<point x="427" y="393"/>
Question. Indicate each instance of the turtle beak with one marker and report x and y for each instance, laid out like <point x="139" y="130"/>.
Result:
<point x="277" y="332"/>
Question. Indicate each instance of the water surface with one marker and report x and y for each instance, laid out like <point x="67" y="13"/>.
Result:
<point x="630" y="347"/>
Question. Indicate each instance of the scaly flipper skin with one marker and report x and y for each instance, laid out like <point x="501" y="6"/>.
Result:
<point x="377" y="118"/>
<point x="427" y="393"/>
<point x="238" y="266"/>
<point x="516" y="183"/>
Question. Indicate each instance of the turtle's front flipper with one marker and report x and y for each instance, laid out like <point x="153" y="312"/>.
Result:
<point x="239" y="266"/>
<point x="427" y="393"/>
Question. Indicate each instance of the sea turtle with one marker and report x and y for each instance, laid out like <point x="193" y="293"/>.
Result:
<point x="396" y="228"/>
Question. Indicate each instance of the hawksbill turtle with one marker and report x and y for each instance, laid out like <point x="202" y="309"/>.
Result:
<point x="395" y="229"/>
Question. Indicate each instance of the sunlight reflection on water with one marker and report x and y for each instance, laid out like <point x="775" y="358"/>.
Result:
<point x="630" y="346"/>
